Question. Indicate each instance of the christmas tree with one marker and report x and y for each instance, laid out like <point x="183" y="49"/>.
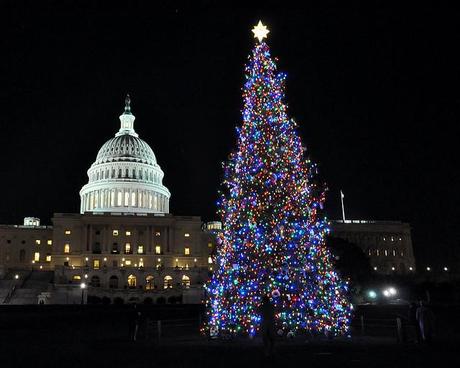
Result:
<point x="273" y="237"/>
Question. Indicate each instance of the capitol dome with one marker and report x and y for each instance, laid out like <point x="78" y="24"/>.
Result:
<point x="125" y="176"/>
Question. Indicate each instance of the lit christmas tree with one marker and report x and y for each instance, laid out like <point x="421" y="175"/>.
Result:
<point x="273" y="237"/>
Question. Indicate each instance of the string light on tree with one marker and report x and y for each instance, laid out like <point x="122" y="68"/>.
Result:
<point x="273" y="237"/>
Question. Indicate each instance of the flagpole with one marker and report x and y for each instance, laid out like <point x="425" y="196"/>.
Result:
<point x="343" y="207"/>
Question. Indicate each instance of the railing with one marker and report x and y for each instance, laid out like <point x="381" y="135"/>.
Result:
<point x="161" y="329"/>
<point x="398" y="327"/>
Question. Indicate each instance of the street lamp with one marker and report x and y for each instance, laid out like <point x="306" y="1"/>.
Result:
<point x="82" y="287"/>
<point x="389" y="292"/>
<point x="372" y="294"/>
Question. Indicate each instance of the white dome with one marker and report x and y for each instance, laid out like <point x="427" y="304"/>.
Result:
<point x="125" y="148"/>
<point x="125" y="176"/>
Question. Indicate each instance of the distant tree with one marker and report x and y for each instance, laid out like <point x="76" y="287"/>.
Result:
<point x="118" y="301"/>
<point x="350" y="261"/>
<point x="148" y="301"/>
<point x="94" y="299"/>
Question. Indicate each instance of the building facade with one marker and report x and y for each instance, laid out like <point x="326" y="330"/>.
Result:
<point x="124" y="244"/>
<point x="388" y="244"/>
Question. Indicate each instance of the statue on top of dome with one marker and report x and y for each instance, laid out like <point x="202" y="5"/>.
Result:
<point x="127" y="104"/>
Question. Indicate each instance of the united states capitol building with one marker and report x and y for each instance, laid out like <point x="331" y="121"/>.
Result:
<point x="124" y="246"/>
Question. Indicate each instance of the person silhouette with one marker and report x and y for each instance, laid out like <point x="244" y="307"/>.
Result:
<point x="425" y="319"/>
<point x="267" y="312"/>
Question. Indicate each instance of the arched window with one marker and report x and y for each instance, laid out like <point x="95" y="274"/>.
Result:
<point x="149" y="285"/>
<point x="132" y="281"/>
<point x="186" y="281"/>
<point x="113" y="282"/>
<point x="168" y="282"/>
<point x="22" y="255"/>
<point x="95" y="281"/>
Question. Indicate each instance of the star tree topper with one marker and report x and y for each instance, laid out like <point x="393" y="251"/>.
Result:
<point x="260" y="31"/>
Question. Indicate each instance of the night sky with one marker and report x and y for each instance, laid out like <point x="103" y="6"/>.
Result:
<point x="376" y="92"/>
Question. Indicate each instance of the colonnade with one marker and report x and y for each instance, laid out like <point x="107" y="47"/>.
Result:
<point x="124" y="197"/>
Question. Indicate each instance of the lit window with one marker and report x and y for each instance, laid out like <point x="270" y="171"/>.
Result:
<point x="394" y="253"/>
<point x="127" y="248"/>
<point x="67" y="232"/>
<point x="377" y="252"/>
<point x="392" y="268"/>
<point x="115" y="232"/>
<point x="49" y="242"/>
<point x="386" y="252"/>
<point x="209" y="259"/>
<point x="128" y="262"/>
<point x="141" y="263"/>
<point x="149" y="285"/>
<point x="384" y="239"/>
<point x="400" y="239"/>
<point x="209" y="245"/>
<point x="369" y="252"/>
<point x="96" y="264"/>
<point x="132" y="281"/>
<point x="157" y="233"/>
<point x="37" y="256"/>
<point x="168" y="282"/>
<point x="48" y="258"/>
<point x="38" y="241"/>
<point x="186" y="281"/>
<point x="187" y="235"/>
<point x="187" y="251"/>
<point x="375" y="268"/>
<point x="76" y="277"/>
<point x="157" y="249"/>
<point x="67" y="248"/>
<point x="402" y="253"/>
<point x="140" y="249"/>
<point x="128" y="233"/>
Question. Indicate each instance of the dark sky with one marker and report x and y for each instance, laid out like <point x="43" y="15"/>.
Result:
<point x="376" y="92"/>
